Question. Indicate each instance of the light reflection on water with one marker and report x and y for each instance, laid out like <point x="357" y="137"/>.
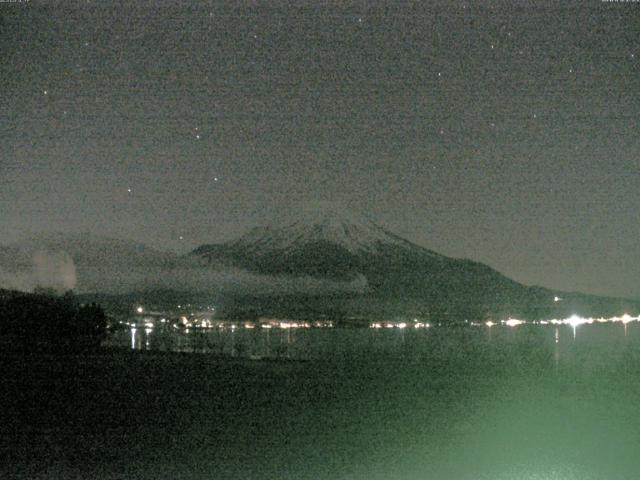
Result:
<point x="310" y="344"/>
<point x="463" y="403"/>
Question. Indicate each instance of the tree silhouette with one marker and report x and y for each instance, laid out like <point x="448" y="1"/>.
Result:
<point x="44" y="322"/>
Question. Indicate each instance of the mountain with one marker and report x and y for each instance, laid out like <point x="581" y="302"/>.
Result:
<point x="401" y="276"/>
<point x="90" y="264"/>
<point x="322" y="262"/>
<point x="330" y="244"/>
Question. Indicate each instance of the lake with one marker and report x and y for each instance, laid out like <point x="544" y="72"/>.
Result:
<point x="525" y="402"/>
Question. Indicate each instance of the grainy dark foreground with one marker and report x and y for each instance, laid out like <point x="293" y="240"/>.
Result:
<point x="509" y="408"/>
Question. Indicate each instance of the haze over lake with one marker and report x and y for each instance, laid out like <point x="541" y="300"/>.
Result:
<point x="440" y="403"/>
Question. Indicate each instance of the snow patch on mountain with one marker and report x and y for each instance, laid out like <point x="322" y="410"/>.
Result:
<point x="320" y="222"/>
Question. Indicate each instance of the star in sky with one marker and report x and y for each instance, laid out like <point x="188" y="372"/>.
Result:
<point x="323" y="110"/>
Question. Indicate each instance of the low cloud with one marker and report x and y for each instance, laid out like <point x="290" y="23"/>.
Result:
<point x="27" y="270"/>
<point x="205" y="279"/>
<point x="50" y="270"/>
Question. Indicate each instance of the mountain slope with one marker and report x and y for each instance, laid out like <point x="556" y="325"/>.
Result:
<point x="330" y="243"/>
<point x="334" y="244"/>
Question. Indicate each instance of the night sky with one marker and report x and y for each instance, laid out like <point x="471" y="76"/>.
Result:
<point x="505" y="132"/>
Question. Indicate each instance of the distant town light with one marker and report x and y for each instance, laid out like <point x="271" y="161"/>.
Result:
<point x="575" y="320"/>
<point x="513" y="322"/>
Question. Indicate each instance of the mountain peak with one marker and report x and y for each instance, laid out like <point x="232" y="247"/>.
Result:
<point x="319" y="222"/>
<point x="318" y="239"/>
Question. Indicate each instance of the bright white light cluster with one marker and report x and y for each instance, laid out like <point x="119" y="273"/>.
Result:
<point x="573" y="320"/>
<point x="400" y="325"/>
<point x="206" y="323"/>
<point x="513" y="322"/>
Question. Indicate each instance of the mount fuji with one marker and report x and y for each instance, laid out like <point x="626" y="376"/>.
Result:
<point x="324" y="241"/>
<point x="322" y="260"/>
<point x="327" y="241"/>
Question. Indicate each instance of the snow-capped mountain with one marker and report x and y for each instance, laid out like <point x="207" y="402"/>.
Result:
<point x="324" y="241"/>
<point x="354" y="233"/>
<point x="322" y="261"/>
<point x="332" y="242"/>
<point x="401" y="277"/>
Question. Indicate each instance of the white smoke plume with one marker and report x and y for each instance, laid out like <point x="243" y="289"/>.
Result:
<point x="48" y="270"/>
<point x="54" y="270"/>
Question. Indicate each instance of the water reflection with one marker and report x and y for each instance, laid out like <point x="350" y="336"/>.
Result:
<point x="309" y="343"/>
<point x="450" y="403"/>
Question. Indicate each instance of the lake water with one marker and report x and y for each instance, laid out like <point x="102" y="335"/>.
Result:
<point x="561" y="342"/>
<point x="528" y="402"/>
<point x="467" y="403"/>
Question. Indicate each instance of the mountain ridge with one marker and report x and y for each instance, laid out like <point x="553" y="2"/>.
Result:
<point x="323" y="265"/>
<point x="344" y="246"/>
